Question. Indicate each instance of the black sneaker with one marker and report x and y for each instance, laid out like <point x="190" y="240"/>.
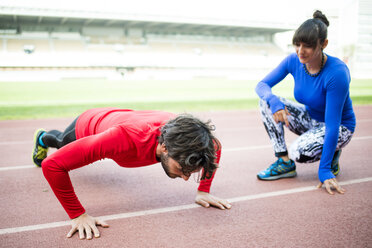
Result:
<point x="335" y="165"/>
<point x="39" y="153"/>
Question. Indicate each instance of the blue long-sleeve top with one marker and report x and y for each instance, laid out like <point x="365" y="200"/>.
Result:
<point x="326" y="98"/>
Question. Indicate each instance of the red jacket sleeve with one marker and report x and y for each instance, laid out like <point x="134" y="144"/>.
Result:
<point x="75" y="155"/>
<point x="205" y="185"/>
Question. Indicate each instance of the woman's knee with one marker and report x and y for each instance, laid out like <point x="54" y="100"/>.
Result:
<point x="300" y="155"/>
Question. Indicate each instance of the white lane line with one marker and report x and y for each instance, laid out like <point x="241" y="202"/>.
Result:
<point x="175" y="208"/>
<point x="4" y="143"/>
<point x="18" y="167"/>
<point x="292" y="191"/>
<point x="270" y="146"/>
<point x="224" y="150"/>
<point x="231" y="149"/>
<point x="246" y="148"/>
<point x="361" y="138"/>
<point x="364" y="120"/>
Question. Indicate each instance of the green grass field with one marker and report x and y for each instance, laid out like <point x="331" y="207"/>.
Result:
<point x="68" y="98"/>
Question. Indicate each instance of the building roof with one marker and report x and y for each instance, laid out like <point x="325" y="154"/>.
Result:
<point x="17" y="17"/>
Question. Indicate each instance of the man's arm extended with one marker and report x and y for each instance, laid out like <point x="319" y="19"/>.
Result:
<point x="72" y="156"/>
<point x="203" y="197"/>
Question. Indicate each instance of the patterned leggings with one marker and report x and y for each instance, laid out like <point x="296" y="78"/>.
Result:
<point x="307" y="148"/>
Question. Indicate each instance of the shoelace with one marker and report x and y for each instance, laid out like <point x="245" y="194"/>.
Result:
<point x="274" y="165"/>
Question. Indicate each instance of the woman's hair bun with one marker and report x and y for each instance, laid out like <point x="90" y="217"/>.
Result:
<point x="319" y="15"/>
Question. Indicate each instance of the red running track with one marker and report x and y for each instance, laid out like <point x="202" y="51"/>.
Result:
<point x="147" y="209"/>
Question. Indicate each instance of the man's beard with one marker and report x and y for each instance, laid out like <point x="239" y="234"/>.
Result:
<point x="164" y="162"/>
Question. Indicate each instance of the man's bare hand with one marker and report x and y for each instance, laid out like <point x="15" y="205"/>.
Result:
<point x="332" y="183"/>
<point x="205" y="199"/>
<point x="281" y="116"/>
<point x="86" y="224"/>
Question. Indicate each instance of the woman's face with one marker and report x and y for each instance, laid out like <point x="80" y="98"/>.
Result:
<point x="308" y="54"/>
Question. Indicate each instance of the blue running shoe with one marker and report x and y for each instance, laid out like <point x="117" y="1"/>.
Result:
<point x="335" y="166"/>
<point x="279" y="169"/>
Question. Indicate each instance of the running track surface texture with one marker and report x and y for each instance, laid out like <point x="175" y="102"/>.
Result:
<point x="145" y="208"/>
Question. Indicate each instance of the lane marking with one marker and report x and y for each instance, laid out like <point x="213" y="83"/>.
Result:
<point x="15" y="143"/>
<point x="217" y="130"/>
<point x="364" y="120"/>
<point x="246" y="148"/>
<point x="224" y="150"/>
<point x="18" y="167"/>
<point x="294" y="190"/>
<point x="175" y="208"/>
<point x="270" y="146"/>
<point x="361" y="138"/>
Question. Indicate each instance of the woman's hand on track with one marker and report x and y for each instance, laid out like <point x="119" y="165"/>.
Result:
<point x="332" y="183"/>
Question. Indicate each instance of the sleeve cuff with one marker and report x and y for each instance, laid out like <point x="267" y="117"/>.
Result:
<point x="275" y="104"/>
<point x="325" y="175"/>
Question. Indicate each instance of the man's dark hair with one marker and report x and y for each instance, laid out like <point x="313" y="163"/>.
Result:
<point x="190" y="142"/>
<point x="312" y="30"/>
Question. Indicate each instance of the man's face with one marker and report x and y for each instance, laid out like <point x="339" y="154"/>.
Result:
<point x="172" y="168"/>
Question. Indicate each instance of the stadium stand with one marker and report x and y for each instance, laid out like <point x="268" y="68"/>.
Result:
<point x="153" y="54"/>
<point x="64" y="44"/>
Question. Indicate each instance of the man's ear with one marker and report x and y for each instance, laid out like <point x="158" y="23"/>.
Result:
<point x="163" y="148"/>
